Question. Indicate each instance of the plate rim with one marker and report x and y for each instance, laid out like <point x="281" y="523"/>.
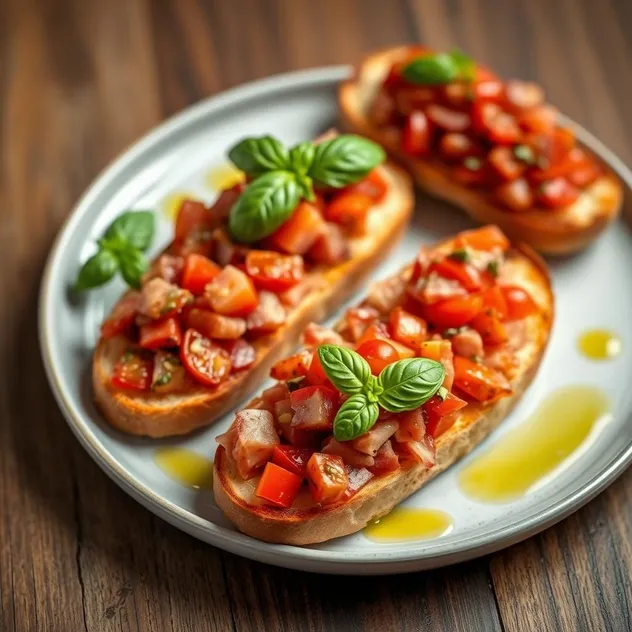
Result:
<point x="343" y="562"/>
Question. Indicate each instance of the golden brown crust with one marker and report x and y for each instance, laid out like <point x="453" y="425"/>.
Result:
<point x="155" y="415"/>
<point x="311" y="524"/>
<point x="551" y="232"/>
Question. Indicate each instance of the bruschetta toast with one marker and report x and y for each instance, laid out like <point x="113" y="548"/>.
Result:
<point x="490" y="147"/>
<point x="407" y="383"/>
<point x="233" y="293"/>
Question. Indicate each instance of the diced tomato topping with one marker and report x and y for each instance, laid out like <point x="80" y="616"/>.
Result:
<point x="490" y="327"/>
<point x="454" y="312"/>
<point x="316" y="374"/>
<point x="231" y="293"/>
<point x="406" y="328"/>
<point x="412" y="426"/>
<point x="331" y="247"/>
<point x="242" y="354"/>
<point x="122" y="317"/>
<point x="316" y="334"/>
<point x="314" y="407"/>
<point x="378" y="353"/>
<point x="471" y="172"/>
<point x="539" y="120"/>
<point x="301" y="438"/>
<point x="160" y="333"/>
<point x="523" y="94"/>
<point x="198" y="271"/>
<point x="226" y="200"/>
<point x="214" y="325"/>
<point x="487" y="238"/>
<point x="267" y="317"/>
<point x="490" y="120"/>
<point x="169" y="376"/>
<point x="557" y="193"/>
<point x="292" y="459"/>
<point x="272" y="271"/>
<point x="504" y="163"/>
<point x="584" y="175"/>
<point x="489" y="90"/>
<point x="478" y="381"/>
<point x="160" y="299"/>
<point x="301" y="231"/>
<point x="467" y="342"/>
<point x="327" y="477"/>
<point x="374" y="185"/>
<point x="441" y="351"/>
<point x="133" y="370"/>
<point x="294" y="366"/>
<point x="193" y="215"/>
<point x="416" y="134"/>
<point x="456" y="146"/>
<point x="494" y="299"/>
<point x="348" y="207"/>
<point x="357" y="319"/>
<point x="206" y="361"/>
<point x="519" y="302"/>
<point x="450" y="268"/>
<point x="447" y="119"/>
<point x="386" y="460"/>
<point x="278" y="486"/>
<point x="440" y="413"/>
<point x="515" y="195"/>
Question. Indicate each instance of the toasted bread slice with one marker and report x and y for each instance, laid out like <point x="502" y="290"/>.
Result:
<point x="557" y="232"/>
<point x="308" y="523"/>
<point x="162" y="415"/>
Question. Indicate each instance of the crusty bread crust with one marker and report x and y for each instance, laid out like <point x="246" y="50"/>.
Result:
<point x="160" y="415"/>
<point x="550" y="232"/>
<point x="307" y="523"/>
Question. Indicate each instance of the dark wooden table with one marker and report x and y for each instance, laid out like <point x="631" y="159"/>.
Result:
<point x="79" y="81"/>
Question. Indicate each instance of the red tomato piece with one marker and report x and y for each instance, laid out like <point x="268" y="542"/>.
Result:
<point x="584" y="175"/>
<point x="478" y="381"/>
<point x="278" y="486"/>
<point x="471" y="172"/>
<point x="348" y="207"/>
<point x="467" y="275"/>
<point x="515" y="195"/>
<point x="519" y="302"/>
<point x="122" y="317"/>
<point x="232" y="293"/>
<point x="416" y="134"/>
<point x="523" y="95"/>
<point x="505" y="164"/>
<point x="386" y="460"/>
<point x="489" y="89"/>
<point x="557" y="193"/>
<point x="494" y="299"/>
<point x="357" y="319"/>
<point x="441" y="351"/>
<point x="374" y="185"/>
<point x="206" y="361"/>
<point x="197" y="272"/>
<point x="314" y="408"/>
<point x="375" y="331"/>
<point x="490" y="120"/>
<point x="301" y="231"/>
<point x="487" y="238"/>
<point x="294" y="366"/>
<point x="242" y="354"/>
<point x="539" y="120"/>
<point x="292" y="459"/>
<point x="454" y="312"/>
<point x="331" y="247"/>
<point x="316" y="375"/>
<point x="447" y="119"/>
<point x="490" y="327"/>
<point x="133" y="370"/>
<point x="214" y="325"/>
<point x="327" y="477"/>
<point x="456" y="146"/>
<point x="193" y="215"/>
<point x="406" y="328"/>
<point x="412" y="425"/>
<point x="274" y="272"/>
<point x="160" y="333"/>
<point x="378" y="353"/>
<point x="440" y="413"/>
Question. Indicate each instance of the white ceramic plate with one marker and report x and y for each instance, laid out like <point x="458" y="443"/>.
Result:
<point x="592" y="289"/>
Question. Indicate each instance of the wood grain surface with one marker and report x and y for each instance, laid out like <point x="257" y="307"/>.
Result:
<point x="79" y="81"/>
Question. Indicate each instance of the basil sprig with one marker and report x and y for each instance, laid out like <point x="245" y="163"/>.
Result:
<point x="440" y="68"/>
<point x="120" y="250"/>
<point x="401" y="386"/>
<point x="291" y="175"/>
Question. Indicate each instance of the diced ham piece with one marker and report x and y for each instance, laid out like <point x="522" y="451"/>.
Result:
<point x="314" y="407"/>
<point x="315" y="335"/>
<point x="358" y="478"/>
<point x="277" y="393"/>
<point x="349" y="455"/>
<point x="412" y="426"/>
<point x="159" y="298"/>
<point x="468" y="343"/>
<point x="370" y="442"/>
<point x="419" y="451"/>
<point x="435" y="288"/>
<point x="331" y="247"/>
<point x="225" y="252"/>
<point x="387" y="294"/>
<point x="268" y="316"/>
<point x="250" y="441"/>
<point x="386" y="460"/>
<point x="167" y="267"/>
<point x="357" y="319"/>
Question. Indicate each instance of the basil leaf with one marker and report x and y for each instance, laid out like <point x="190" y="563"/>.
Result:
<point x="344" y="160"/>
<point x="355" y="417"/>
<point x="97" y="270"/>
<point x="409" y="383"/>
<point x="133" y="265"/>
<point x="465" y="64"/>
<point x="259" y="155"/>
<point x="269" y="201"/>
<point x="348" y="371"/>
<point x="302" y="156"/>
<point x="133" y="229"/>
<point x="431" y="69"/>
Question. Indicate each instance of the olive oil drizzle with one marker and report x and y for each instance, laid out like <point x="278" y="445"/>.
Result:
<point x="409" y="524"/>
<point x="186" y="467"/>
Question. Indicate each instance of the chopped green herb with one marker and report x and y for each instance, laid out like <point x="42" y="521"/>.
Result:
<point x="476" y="358"/>
<point x="164" y="379"/>
<point x="524" y="153"/>
<point x="472" y="163"/>
<point x="452" y="331"/>
<point x="461" y="255"/>
<point x="493" y="267"/>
